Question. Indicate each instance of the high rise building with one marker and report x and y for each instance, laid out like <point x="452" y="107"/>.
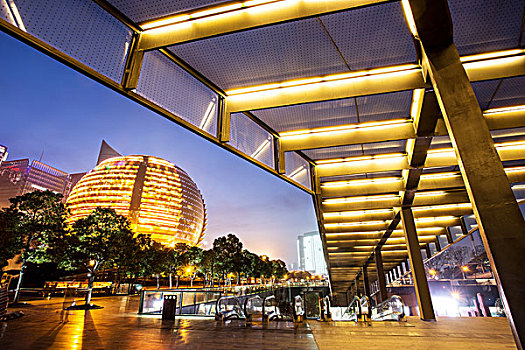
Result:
<point x="310" y="253"/>
<point x="18" y="177"/>
<point x="3" y="153"/>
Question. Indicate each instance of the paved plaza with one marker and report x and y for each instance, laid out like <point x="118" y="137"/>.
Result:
<point x="117" y="326"/>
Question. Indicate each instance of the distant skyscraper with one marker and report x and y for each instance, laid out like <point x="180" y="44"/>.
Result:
<point x="18" y="177"/>
<point x="310" y="253"/>
<point x="3" y="153"/>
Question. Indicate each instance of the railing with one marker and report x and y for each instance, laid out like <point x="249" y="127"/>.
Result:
<point x="229" y="308"/>
<point x="353" y="311"/>
<point x="253" y="306"/>
<point x="270" y="309"/>
<point x="189" y="301"/>
<point x="391" y="309"/>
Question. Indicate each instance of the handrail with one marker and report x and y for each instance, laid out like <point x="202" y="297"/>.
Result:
<point x="365" y="305"/>
<point x="235" y="313"/>
<point x="353" y="311"/>
<point x="392" y="308"/>
<point x="249" y="299"/>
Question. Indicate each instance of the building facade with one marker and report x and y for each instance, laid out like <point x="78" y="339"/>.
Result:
<point x="310" y="253"/>
<point x="158" y="198"/>
<point x="18" y="177"/>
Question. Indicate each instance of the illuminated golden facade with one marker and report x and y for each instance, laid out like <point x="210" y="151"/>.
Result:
<point x="158" y="198"/>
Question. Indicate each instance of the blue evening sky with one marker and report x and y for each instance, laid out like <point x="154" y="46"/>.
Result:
<point x="47" y="106"/>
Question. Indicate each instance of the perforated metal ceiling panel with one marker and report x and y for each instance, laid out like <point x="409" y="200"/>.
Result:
<point x="339" y="112"/>
<point x="276" y="53"/>
<point x="81" y="29"/>
<point x="141" y="11"/>
<point x="251" y="139"/>
<point x="172" y="88"/>
<point x="500" y="93"/>
<point x="357" y="150"/>
<point x="482" y="26"/>
<point x="372" y="36"/>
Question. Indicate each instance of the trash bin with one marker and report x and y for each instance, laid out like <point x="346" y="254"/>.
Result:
<point x="169" y="307"/>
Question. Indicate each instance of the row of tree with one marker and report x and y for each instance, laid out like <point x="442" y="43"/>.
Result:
<point x="35" y="226"/>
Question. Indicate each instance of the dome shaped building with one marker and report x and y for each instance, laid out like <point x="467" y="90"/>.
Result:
<point x="158" y="198"/>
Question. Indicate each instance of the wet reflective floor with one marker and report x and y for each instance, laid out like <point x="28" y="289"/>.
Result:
<point x="117" y="326"/>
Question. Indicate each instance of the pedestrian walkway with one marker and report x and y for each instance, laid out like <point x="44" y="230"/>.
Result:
<point x="118" y="326"/>
<point x="447" y="333"/>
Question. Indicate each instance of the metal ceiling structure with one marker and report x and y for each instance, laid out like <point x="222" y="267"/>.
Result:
<point x="332" y="96"/>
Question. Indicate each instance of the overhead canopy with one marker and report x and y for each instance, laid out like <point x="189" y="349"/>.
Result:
<point x="328" y="95"/>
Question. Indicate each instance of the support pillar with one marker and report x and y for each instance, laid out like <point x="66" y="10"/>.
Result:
<point x="448" y="233"/>
<point x="428" y="252"/>
<point x="463" y="226"/>
<point x="381" y="280"/>
<point x="426" y="310"/>
<point x="438" y="244"/>
<point x="501" y="224"/>
<point x="366" y="282"/>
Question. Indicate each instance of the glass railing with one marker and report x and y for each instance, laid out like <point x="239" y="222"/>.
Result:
<point x="392" y="309"/>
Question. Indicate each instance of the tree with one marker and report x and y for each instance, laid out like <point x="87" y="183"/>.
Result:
<point x="95" y="242"/>
<point x="228" y="252"/>
<point x="32" y="224"/>
<point x="8" y="247"/>
<point x="194" y="258"/>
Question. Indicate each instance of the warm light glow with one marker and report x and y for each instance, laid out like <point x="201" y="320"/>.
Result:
<point x="444" y="206"/>
<point x="512" y="109"/>
<point x="409" y="16"/>
<point x="92" y="262"/>
<point x="360" y="158"/>
<point x="204" y="13"/>
<point x="165" y="203"/>
<point x="490" y="55"/>
<point x="361" y="223"/>
<point x="360" y="199"/>
<point x="343" y="128"/>
<point x="417" y="103"/>
<point x="440" y="175"/>
<point x="432" y="272"/>
<point x="357" y="213"/>
<point x="430" y="193"/>
<point x="388" y="72"/>
<point x="434" y="219"/>
<point x="465" y="268"/>
<point x="456" y="295"/>
<point x="361" y="182"/>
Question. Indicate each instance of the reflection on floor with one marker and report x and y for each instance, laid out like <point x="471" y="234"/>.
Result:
<point x="117" y="326"/>
<point x="472" y="333"/>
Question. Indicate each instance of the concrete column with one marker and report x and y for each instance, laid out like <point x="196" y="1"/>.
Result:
<point x="463" y="224"/>
<point x="426" y="310"/>
<point x="366" y="282"/>
<point x="381" y="280"/>
<point x="500" y="222"/>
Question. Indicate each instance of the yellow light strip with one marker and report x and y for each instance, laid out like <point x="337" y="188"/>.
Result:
<point x="430" y="193"/>
<point x="354" y="233"/>
<point x="207" y="115"/>
<point x="361" y="158"/>
<point x="204" y="13"/>
<point x="515" y="169"/>
<point x="357" y="213"/>
<point x="520" y="108"/>
<point x="409" y="17"/>
<point x="350" y="183"/>
<point x="440" y="175"/>
<point x="333" y="77"/>
<point x="344" y="128"/>
<point x="435" y="218"/>
<point x="361" y="223"/>
<point x="360" y="199"/>
<point x="490" y="55"/>
<point x="417" y="103"/>
<point x="444" y="206"/>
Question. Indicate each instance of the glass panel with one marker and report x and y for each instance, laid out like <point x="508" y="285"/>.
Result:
<point x="163" y="82"/>
<point x="297" y="168"/>
<point x="251" y="139"/>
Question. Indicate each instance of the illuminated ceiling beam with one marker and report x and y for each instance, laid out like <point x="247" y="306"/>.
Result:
<point x="354" y="134"/>
<point x="390" y="162"/>
<point x="397" y="233"/>
<point x="387" y="202"/>
<point x="349" y="227"/>
<point x="360" y="83"/>
<point x="235" y="17"/>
